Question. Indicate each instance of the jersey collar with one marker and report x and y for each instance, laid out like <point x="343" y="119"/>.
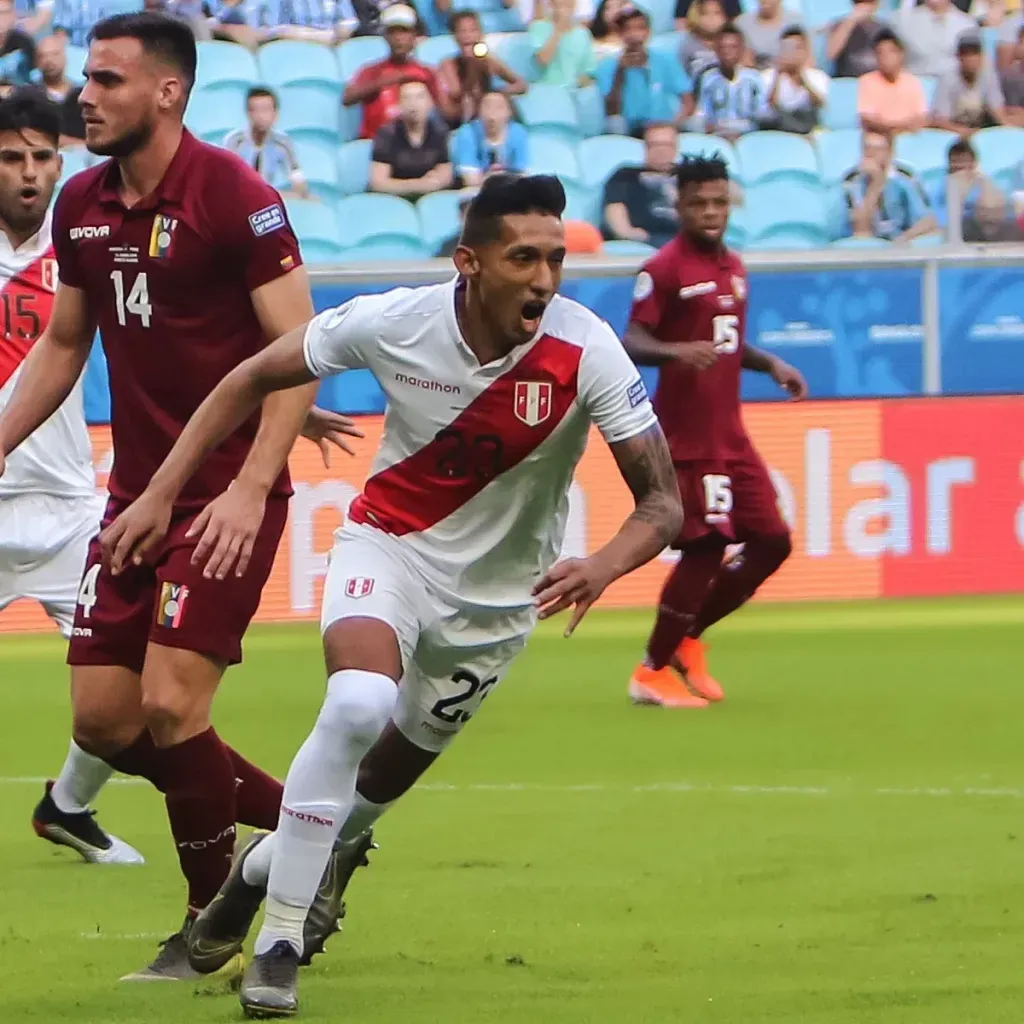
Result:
<point x="172" y="185"/>
<point x="33" y="246"/>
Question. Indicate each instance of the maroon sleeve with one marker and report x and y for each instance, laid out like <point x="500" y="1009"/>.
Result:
<point x="250" y="217"/>
<point x="652" y="292"/>
<point x="68" y="266"/>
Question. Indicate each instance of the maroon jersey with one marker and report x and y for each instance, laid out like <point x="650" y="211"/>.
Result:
<point x="686" y="294"/>
<point x="168" y="281"/>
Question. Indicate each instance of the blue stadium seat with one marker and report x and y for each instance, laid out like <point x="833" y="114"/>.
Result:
<point x="318" y="251"/>
<point x="291" y="62"/>
<point x="787" y="239"/>
<point x="433" y="20"/>
<point x="319" y="163"/>
<point x="312" y="221"/>
<point x="838" y="153"/>
<point x="861" y="243"/>
<point x="819" y="46"/>
<point x="1000" y="151"/>
<point x="553" y="155"/>
<point x="695" y="144"/>
<point x="212" y="113"/>
<point x="349" y="121"/>
<point x="601" y="156"/>
<point x="355" y="53"/>
<point x="736" y="234"/>
<point x="783" y="210"/>
<point x="354" y="166"/>
<point x="515" y="50"/>
<point x="776" y="156"/>
<point x="924" y="151"/>
<point x="551" y="108"/>
<point x="76" y="56"/>
<point x="385" y="249"/>
<point x="589" y="111"/>
<point x="503" y="19"/>
<point x="662" y="14"/>
<point x="820" y="12"/>
<point x="928" y="241"/>
<point x="930" y="83"/>
<point x="309" y="112"/>
<point x="224" y="65"/>
<point x="439" y="216"/>
<point x="667" y="43"/>
<point x="434" y="49"/>
<point x="623" y="247"/>
<point x="582" y="202"/>
<point x="841" y="109"/>
<point x="374" y="215"/>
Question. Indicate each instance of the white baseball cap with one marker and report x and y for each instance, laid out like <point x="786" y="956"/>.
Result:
<point x="398" y="16"/>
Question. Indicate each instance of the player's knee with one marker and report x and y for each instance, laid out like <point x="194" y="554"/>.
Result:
<point x="101" y="733"/>
<point x="172" y="715"/>
<point x="358" y="705"/>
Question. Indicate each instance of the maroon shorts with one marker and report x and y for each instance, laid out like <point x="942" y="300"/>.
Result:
<point x="733" y="498"/>
<point x="168" y="601"/>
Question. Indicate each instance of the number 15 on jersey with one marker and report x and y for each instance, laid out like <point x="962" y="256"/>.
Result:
<point x="136" y="302"/>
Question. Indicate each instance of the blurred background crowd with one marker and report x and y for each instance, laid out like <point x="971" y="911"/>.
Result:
<point x="844" y="122"/>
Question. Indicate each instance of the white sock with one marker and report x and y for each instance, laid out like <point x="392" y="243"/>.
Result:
<point x="318" y="795"/>
<point x="361" y="817"/>
<point x="81" y="778"/>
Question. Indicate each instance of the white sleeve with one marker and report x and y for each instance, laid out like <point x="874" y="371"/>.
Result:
<point x="341" y="338"/>
<point x="611" y="388"/>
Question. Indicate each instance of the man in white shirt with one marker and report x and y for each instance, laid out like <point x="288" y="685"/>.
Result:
<point x="796" y="90"/>
<point x="930" y="33"/>
<point x="448" y="557"/>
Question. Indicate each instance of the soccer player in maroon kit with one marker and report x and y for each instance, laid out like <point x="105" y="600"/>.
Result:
<point x="184" y="259"/>
<point x="689" y="319"/>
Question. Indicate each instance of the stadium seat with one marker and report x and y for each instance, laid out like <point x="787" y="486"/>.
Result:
<point x="589" y="111"/>
<point x="841" y="108"/>
<point x="435" y="49"/>
<point x="310" y="112"/>
<point x="838" y="153"/>
<point x="319" y="251"/>
<point x="662" y="14"/>
<point x="623" y="247"/>
<point x="550" y="108"/>
<point x="776" y="156"/>
<point x="931" y="84"/>
<point x="601" y="156"/>
<point x="354" y="166"/>
<point x="319" y="164"/>
<point x="820" y="13"/>
<point x="291" y="62"/>
<point x="736" y="234"/>
<point x="313" y="222"/>
<point x="385" y="249"/>
<point x="439" y="216"/>
<point x="212" y="113"/>
<point x="924" y="151"/>
<point x="433" y="20"/>
<point x="928" y="241"/>
<point x="356" y="53"/>
<point x="1000" y="151"/>
<point x="667" y="43"/>
<point x="582" y="202"/>
<point x="502" y="19"/>
<point x="695" y="144"/>
<point x="224" y="65"/>
<point x="786" y="211"/>
<point x="349" y="121"/>
<point x="76" y="56"/>
<point x="787" y="239"/>
<point x="372" y="215"/>
<point x="515" y="49"/>
<point x="861" y="243"/>
<point x="553" y="155"/>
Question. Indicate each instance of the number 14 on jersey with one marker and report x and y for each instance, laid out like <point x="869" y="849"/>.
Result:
<point x="135" y="302"/>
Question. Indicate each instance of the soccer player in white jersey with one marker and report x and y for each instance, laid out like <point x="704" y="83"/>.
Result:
<point x="49" y="508"/>
<point x="448" y="557"/>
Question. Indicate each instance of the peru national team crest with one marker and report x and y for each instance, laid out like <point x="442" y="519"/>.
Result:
<point x="532" y="401"/>
<point x="358" y="586"/>
<point x="48" y="271"/>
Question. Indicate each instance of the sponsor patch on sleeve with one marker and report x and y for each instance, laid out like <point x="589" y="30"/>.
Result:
<point x="643" y="286"/>
<point x="270" y="218"/>
<point x="636" y="392"/>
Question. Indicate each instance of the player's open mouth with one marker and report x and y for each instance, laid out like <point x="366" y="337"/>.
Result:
<point x="28" y="194"/>
<point x="531" y="314"/>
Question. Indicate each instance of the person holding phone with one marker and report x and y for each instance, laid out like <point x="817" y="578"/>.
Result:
<point x="796" y="90"/>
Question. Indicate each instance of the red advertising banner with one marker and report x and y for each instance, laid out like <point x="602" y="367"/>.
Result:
<point x="885" y="498"/>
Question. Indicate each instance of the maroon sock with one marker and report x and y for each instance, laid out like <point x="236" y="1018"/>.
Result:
<point x="142" y="758"/>
<point x="735" y="585"/>
<point x="681" y="600"/>
<point x="200" y="797"/>
<point x="257" y="794"/>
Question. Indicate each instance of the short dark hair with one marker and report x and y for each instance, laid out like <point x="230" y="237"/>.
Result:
<point x="29" y="109"/>
<point x="461" y="15"/>
<point x="506" y="194"/>
<point x="794" y="32"/>
<point x="696" y="168"/>
<point x="261" y="92"/>
<point x="161" y="36"/>
<point x="730" y="28"/>
<point x="886" y="35"/>
<point x="961" y="147"/>
<point x="629" y="12"/>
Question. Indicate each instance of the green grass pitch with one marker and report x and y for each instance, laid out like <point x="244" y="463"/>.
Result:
<point x="841" y="841"/>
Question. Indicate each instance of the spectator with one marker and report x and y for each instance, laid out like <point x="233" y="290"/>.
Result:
<point x="268" y="152"/>
<point x="969" y="97"/>
<point x="763" y="30"/>
<point x="17" y="48"/>
<point x="931" y="32"/>
<point x="882" y="200"/>
<point x="235" y="21"/>
<point x="639" y="203"/>
<point x="891" y="99"/>
<point x="562" y="50"/>
<point x="991" y="220"/>
<point x="1012" y="83"/>
<point x="688" y="12"/>
<point x="697" y="52"/>
<point x="491" y="142"/>
<point x="639" y="86"/>
<point x="315" y="21"/>
<point x="605" y="28"/>
<point x="449" y="245"/>
<point x="376" y="86"/>
<point x="1009" y="41"/>
<point x="733" y="100"/>
<point x="796" y="89"/>
<point x="75" y="19"/>
<point x="410" y="155"/>
<point x="584" y="11"/>
<point x="851" y="40"/>
<point x="466" y="77"/>
<point x="51" y="63"/>
<point x="35" y="17"/>
<point x="956" y="196"/>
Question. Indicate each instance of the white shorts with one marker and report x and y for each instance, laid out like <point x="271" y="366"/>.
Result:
<point x="452" y="657"/>
<point x="43" y="544"/>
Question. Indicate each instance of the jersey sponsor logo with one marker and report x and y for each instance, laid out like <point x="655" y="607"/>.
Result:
<point x="636" y="392"/>
<point x="307" y="817"/>
<point x="359" y="586"/>
<point x="270" y="218"/>
<point x="89" y="231"/>
<point x="171" y="609"/>
<point x="691" y="291"/>
<point x="643" y="287"/>
<point x="428" y="385"/>
<point x="161" y="235"/>
<point x="532" y="401"/>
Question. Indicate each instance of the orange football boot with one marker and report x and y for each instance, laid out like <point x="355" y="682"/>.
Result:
<point x="662" y="687"/>
<point x="691" y="661"/>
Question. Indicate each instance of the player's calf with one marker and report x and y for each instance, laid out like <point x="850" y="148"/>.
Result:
<point x="106" y="708"/>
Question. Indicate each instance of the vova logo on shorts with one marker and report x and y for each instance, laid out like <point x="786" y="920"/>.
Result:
<point x="89" y="231"/>
<point x="358" y="586"/>
<point x="532" y="401"/>
<point x="171" y="608"/>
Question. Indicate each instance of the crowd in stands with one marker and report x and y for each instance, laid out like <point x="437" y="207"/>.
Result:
<point x="422" y="102"/>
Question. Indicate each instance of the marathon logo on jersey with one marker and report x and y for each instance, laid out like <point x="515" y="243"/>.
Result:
<point x="171" y="609"/>
<point x="160" y="236"/>
<point x="270" y="218"/>
<point x="692" y="291"/>
<point x="358" y="586"/>
<point x="532" y="401"/>
<point x="88" y="232"/>
<point x="636" y="393"/>
<point x="48" y="273"/>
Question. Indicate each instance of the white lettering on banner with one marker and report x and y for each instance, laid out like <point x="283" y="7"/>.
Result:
<point x="942" y="476"/>
<point x="893" y="508"/>
<point x="307" y="565"/>
<point x="818" y="488"/>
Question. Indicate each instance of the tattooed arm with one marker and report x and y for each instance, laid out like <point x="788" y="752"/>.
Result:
<point x="646" y="466"/>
